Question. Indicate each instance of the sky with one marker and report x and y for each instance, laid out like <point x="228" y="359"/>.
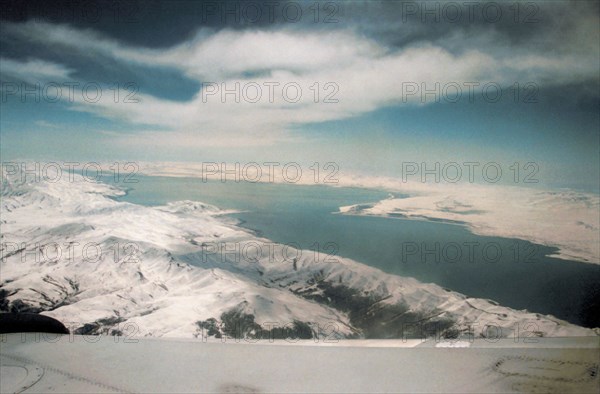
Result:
<point x="368" y="85"/>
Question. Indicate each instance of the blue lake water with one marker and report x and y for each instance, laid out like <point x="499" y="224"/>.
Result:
<point x="514" y="273"/>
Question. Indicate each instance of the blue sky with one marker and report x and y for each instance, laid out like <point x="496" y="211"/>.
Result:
<point x="164" y="54"/>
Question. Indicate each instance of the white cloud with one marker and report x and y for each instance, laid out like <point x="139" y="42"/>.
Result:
<point x="366" y="74"/>
<point x="35" y="71"/>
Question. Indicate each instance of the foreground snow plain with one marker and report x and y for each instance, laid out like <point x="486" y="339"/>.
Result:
<point x="34" y="363"/>
<point x="186" y="270"/>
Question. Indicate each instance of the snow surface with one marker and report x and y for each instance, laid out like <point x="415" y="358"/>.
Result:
<point x="81" y="364"/>
<point x="176" y="278"/>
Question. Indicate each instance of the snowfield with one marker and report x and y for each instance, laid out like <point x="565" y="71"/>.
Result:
<point x="72" y="252"/>
<point x="564" y="219"/>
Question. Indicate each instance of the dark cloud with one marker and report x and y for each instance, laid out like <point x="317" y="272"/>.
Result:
<point x="164" y="23"/>
<point x="519" y="24"/>
<point x="161" y="23"/>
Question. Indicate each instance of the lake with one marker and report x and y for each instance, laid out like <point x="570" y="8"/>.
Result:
<point x="515" y="273"/>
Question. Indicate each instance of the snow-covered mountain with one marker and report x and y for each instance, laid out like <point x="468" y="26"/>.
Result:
<point x="72" y="252"/>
